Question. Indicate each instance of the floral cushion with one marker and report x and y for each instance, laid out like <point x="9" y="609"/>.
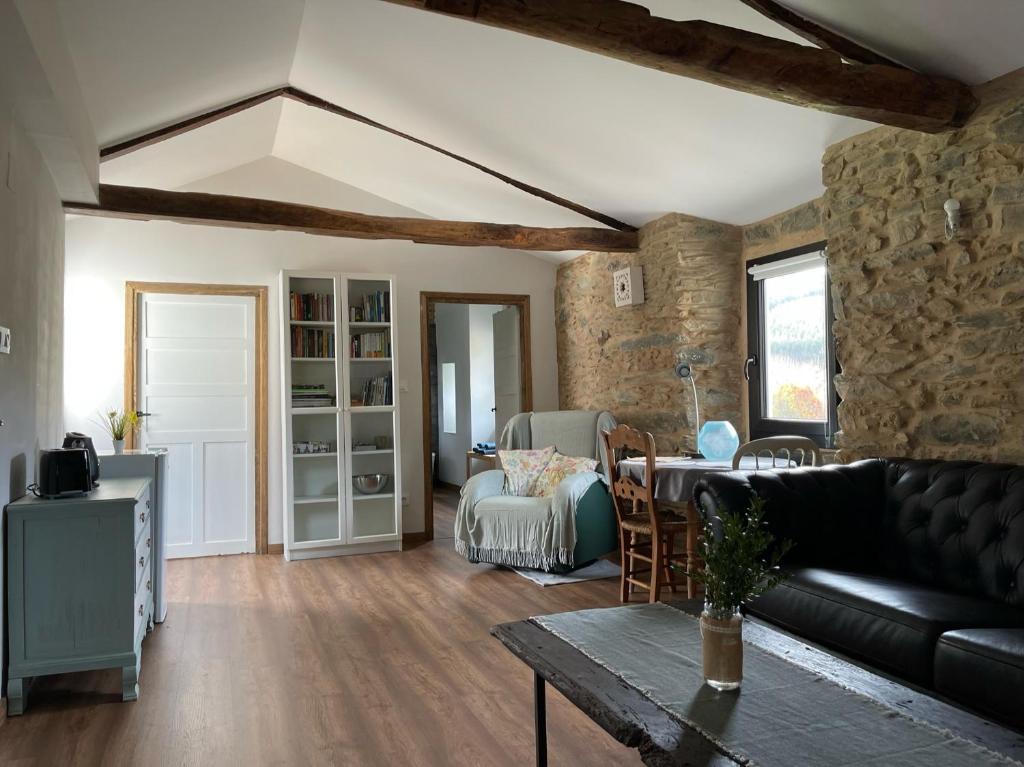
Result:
<point x="558" y="468"/>
<point x="523" y="468"/>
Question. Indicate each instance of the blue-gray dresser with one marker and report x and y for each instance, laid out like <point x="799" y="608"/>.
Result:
<point x="79" y="584"/>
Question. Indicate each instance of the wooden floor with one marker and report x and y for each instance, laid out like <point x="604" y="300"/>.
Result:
<point x="372" y="660"/>
<point x="446" y="503"/>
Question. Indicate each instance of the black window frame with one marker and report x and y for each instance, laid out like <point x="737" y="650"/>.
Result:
<point x="822" y="432"/>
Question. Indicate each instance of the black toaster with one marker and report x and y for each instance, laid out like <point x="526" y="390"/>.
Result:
<point x="64" y="472"/>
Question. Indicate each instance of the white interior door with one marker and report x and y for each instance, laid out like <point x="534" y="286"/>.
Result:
<point x="197" y="382"/>
<point x="507" y="367"/>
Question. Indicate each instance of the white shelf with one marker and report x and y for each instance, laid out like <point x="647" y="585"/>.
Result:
<point x="303" y="499"/>
<point x="324" y="515"/>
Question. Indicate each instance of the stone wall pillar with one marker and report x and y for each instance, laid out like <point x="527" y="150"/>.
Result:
<point x="930" y="332"/>
<point x="622" y="359"/>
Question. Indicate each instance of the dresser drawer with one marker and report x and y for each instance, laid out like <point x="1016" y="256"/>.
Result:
<point x="143" y="509"/>
<point x="143" y="604"/>
<point x="143" y="562"/>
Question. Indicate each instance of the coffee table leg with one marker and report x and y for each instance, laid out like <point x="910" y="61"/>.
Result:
<point x="540" y="720"/>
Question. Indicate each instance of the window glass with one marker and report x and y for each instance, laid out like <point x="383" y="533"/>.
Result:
<point x="795" y="346"/>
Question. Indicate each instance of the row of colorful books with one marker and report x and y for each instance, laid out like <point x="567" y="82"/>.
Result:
<point x="364" y="345"/>
<point x="312" y="342"/>
<point x="376" y="308"/>
<point x="312" y="307"/>
<point x="378" y="391"/>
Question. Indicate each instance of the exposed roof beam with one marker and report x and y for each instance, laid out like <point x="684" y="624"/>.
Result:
<point x="733" y="58"/>
<point x="191" y="123"/>
<point x="251" y="213"/>
<point x="819" y="35"/>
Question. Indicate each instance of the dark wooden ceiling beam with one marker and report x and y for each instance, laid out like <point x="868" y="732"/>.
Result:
<point x="822" y="37"/>
<point x="295" y="94"/>
<point x="252" y="213"/>
<point x="733" y="58"/>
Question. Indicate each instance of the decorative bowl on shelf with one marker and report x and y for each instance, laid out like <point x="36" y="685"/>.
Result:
<point x="370" y="484"/>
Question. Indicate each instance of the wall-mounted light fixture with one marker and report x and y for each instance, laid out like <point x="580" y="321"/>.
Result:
<point x="952" y="208"/>
<point x="684" y="371"/>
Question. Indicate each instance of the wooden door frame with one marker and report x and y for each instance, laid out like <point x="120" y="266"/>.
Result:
<point x="427" y="302"/>
<point x="132" y="290"/>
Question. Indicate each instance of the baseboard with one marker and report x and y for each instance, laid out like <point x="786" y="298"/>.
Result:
<point x="275" y="548"/>
<point x="410" y="540"/>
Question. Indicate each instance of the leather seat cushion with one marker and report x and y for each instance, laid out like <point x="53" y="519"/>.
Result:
<point x="984" y="669"/>
<point x="889" y="623"/>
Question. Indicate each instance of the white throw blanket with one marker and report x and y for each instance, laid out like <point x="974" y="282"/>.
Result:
<point x="519" y="532"/>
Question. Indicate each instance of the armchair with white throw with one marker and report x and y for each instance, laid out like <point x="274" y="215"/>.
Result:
<point x="571" y="524"/>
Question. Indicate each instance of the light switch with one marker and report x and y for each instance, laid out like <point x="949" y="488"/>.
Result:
<point x="403" y="385"/>
<point x="5" y="341"/>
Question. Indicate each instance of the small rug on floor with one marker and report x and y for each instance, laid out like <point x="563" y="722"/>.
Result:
<point x="602" y="568"/>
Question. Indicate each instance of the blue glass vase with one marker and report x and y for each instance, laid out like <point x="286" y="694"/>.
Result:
<point x="718" y="441"/>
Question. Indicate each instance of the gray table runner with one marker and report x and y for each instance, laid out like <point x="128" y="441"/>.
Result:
<point x="783" y="716"/>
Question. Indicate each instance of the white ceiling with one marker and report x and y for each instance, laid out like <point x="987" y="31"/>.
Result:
<point x="630" y="142"/>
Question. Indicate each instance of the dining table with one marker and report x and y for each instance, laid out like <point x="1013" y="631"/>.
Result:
<point x="676" y="476"/>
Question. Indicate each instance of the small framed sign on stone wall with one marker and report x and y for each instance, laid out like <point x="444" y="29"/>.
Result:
<point x="628" y="285"/>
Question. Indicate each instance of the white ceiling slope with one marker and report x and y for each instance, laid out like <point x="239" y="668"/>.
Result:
<point x="627" y="141"/>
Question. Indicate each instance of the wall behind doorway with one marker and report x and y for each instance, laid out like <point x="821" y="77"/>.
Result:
<point x="103" y="253"/>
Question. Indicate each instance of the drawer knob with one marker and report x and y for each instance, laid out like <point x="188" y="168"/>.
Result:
<point x="147" y="504"/>
<point x="140" y="610"/>
<point x="148" y="540"/>
<point x="142" y="561"/>
<point x="142" y="516"/>
<point x="149" y="585"/>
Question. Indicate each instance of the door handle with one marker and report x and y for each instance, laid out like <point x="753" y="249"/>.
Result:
<point x="140" y="414"/>
<point x="751" y="360"/>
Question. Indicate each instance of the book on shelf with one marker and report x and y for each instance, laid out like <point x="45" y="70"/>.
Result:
<point x="312" y="342"/>
<point x="312" y="307"/>
<point x="311" y="395"/>
<point x="370" y="345"/>
<point x="378" y="391"/>
<point x="376" y="307"/>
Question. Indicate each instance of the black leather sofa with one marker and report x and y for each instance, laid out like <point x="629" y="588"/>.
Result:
<point x="914" y="567"/>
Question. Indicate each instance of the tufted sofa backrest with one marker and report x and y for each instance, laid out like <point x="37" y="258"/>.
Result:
<point x="957" y="525"/>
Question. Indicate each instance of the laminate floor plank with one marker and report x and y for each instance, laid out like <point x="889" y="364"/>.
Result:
<point x="381" y="659"/>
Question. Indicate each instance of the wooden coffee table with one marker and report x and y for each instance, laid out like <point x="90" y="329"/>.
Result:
<point x="636" y="721"/>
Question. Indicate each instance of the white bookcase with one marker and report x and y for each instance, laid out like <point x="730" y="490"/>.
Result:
<point x="335" y="341"/>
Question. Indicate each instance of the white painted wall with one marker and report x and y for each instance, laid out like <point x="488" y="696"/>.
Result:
<point x="452" y="322"/>
<point x="102" y="254"/>
<point x="481" y="365"/>
<point x="31" y="283"/>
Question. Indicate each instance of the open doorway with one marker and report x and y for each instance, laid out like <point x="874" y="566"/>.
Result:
<point x="475" y="351"/>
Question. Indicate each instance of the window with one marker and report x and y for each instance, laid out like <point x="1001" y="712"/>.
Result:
<point x="791" y="363"/>
<point x="448" y="399"/>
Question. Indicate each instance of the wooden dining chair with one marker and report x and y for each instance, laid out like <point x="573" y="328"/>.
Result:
<point x="646" y="533"/>
<point x="775" y="447"/>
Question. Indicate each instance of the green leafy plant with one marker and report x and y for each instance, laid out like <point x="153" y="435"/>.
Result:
<point x="118" y="423"/>
<point x="741" y="558"/>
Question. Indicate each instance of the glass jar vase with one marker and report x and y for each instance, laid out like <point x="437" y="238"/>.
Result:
<point x="721" y="632"/>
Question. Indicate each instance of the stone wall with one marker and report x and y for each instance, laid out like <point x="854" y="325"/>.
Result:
<point x="930" y="332"/>
<point x="622" y="359"/>
<point x="793" y="228"/>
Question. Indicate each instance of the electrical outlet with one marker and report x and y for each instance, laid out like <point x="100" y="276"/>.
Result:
<point x="5" y="341"/>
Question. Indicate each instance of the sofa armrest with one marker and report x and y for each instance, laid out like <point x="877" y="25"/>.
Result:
<point x="483" y="485"/>
<point x="833" y="514"/>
